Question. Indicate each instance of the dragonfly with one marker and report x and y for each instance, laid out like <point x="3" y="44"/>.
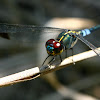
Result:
<point x="66" y="39"/>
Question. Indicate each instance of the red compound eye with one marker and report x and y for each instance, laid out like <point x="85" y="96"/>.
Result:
<point x="50" y="41"/>
<point x="53" y="47"/>
<point x="57" y="45"/>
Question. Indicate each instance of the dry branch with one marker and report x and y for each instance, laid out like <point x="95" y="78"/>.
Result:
<point x="38" y="71"/>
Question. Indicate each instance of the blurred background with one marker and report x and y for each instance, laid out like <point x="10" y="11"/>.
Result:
<point x="83" y="77"/>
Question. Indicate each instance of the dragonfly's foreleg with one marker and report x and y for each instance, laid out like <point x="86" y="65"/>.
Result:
<point x="45" y="59"/>
<point x="51" y="61"/>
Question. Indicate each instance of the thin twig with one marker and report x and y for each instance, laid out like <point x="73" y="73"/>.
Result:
<point x="38" y="71"/>
<point x="66" y="92"/>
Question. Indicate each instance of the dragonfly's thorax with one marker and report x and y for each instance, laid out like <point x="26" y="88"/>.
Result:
<point x="67" y="40"/>
<point x="54" y="47"/>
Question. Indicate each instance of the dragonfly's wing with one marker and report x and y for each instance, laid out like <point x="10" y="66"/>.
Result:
<point x="25" y="33"/>
<point x="80" y="37"/>
<point x="26" y="44"/>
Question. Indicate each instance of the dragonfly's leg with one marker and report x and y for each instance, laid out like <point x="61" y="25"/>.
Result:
<point x="45" y="59"/>
<point x="72" y="55"/>
<point x="66" y="52"/>
<point x="51" y="61"/>
<point x="60" y="58"/>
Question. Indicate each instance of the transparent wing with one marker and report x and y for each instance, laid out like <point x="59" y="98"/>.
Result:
<point x="26" y="33"/>
<point x="26" y="44"/>
<point x="91" y="46"/>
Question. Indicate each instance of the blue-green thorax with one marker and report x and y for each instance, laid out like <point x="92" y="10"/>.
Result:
<point x="67" y="40"/>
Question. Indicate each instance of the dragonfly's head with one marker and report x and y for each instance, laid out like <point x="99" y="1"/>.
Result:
<point x="54" y="47"/>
